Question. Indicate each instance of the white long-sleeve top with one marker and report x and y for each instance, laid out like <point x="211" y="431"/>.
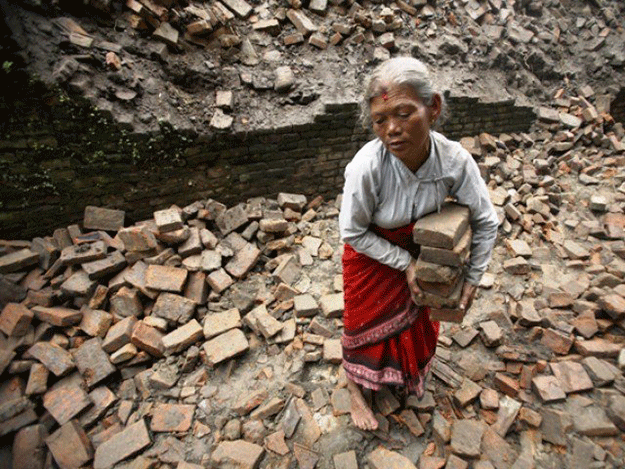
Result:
<point x="379" y="189"/>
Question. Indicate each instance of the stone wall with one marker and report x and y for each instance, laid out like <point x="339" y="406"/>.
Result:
<point x="58" y="155"/>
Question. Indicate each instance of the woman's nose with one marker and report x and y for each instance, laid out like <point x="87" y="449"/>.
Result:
<point x="393" y="126"/>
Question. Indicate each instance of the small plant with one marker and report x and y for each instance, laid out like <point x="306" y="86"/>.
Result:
<point x="7" y="66"/>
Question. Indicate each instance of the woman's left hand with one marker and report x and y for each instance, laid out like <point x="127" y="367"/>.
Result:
<point x="468" y="293"/>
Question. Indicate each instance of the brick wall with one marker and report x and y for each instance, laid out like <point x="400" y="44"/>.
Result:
<point x="58" y="155"/>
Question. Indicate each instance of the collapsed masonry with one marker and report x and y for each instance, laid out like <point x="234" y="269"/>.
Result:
<point x="103" y="348"/>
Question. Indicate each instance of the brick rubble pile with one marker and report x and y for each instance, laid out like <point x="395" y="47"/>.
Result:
<point x="209" y="335"/>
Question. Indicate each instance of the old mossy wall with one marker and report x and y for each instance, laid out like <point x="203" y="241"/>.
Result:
<point x="58" y="154"/>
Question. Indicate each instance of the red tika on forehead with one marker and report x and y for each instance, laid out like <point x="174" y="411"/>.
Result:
<point x="384" y="96"/>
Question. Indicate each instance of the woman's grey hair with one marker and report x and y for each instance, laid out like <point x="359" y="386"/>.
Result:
<point x="400" y="71"/>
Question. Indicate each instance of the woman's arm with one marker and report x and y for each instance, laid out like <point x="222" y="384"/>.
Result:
<point x="360" y="200"/>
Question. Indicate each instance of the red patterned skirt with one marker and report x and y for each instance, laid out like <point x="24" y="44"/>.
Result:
<point x="387" y="339"/>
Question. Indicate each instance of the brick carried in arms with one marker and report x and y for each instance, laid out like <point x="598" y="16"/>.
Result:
<point x="442" y="229"/>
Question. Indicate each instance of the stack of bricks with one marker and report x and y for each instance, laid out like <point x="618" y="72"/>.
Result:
<point x="445" y="240"/>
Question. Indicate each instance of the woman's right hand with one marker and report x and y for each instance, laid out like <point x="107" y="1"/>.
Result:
<point x="411" y="278"/>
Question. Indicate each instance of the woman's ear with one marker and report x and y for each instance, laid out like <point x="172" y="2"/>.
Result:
<point x="436" y="108"/>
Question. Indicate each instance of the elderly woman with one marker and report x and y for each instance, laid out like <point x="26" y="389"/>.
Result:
<point x="405" y="173"/>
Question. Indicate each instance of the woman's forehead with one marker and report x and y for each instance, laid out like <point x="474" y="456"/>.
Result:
<point x="394" y="96"/>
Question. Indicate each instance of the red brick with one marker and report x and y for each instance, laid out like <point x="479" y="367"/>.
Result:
<point x="70" y="446"/>
<point x="506" y="384"/>
<point x="171" y="417"/>
<point x="29" y="447"/>
<point x="166" y="278"/>
<point x="56" y="359"/>
<point x="65" y="401"/>
<point x="58" y="316"/>
<point x="15" y="319"/>
<point x="120" y="446"/>
<point x="147" y="338"/>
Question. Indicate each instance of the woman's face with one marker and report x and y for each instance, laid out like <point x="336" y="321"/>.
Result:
<point x="402" y="121"/>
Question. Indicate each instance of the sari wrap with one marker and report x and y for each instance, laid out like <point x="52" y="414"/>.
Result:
<point x="387" y="339"/>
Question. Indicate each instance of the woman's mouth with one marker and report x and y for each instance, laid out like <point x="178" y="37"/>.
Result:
<point x="396" y="145"/>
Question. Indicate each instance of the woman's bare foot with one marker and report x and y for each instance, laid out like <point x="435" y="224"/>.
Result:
<point x="362" y="415"/>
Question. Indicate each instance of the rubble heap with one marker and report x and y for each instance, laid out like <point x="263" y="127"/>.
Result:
<point x="210" y="336"/>
<point x="152" y="61"/>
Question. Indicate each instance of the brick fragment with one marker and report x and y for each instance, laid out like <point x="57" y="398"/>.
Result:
<point x="219" y="280"/>
<point x="70" y="445"/>
<point x="119" y="334"/>
<point x="18" y="260"/>
<point x="165" y="278"/>
<point x="225" y="346"/>
<point x="572" y="376"/>
<point x="451" y="257"/>
<point x="66" y="400"/>
<point x="332" y="351"/>
<point x="29" y="447"/>
<point x="172" y="417"/>
<point x="557" y="341"/>
<point x="56" y="359"/>
<point x="15" y="319"/>
<point x="78" y="284"/>
<point x="112" y="263"/>
<point x="302" y="23"/>
<point x="103" y="398"/>
<point x="506" y="384"/>
<point x="548" y="389"/>
<point x="95" y="322"/>
<point x="333" y="305"/>
<point x="99" y="218"/>
<point x="218" y="323"/>
<point x="382" y="458"/>
<point x="92" y="362"/>
<point x="37" y="379"/>
<point x="58" y="315"/>
<point x="239" y="453"/>
<point x="126" y="302"/>
<point x="168" y="220"/>
<point x="81" y="253"/>
<point x="147" y="338"/>
<point x="137" y="238"/>
<point x="443" y="229"/>
<point x="261" y="322"/>
<point x="124" y="444"/>
<point x="174" y="308"/>
<point x="305" y="305"/>
<point x="231" y="219"/>
<point x="243" y="261"/>
<point x="599" y="348"/>
<point x="182" y="338"/>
